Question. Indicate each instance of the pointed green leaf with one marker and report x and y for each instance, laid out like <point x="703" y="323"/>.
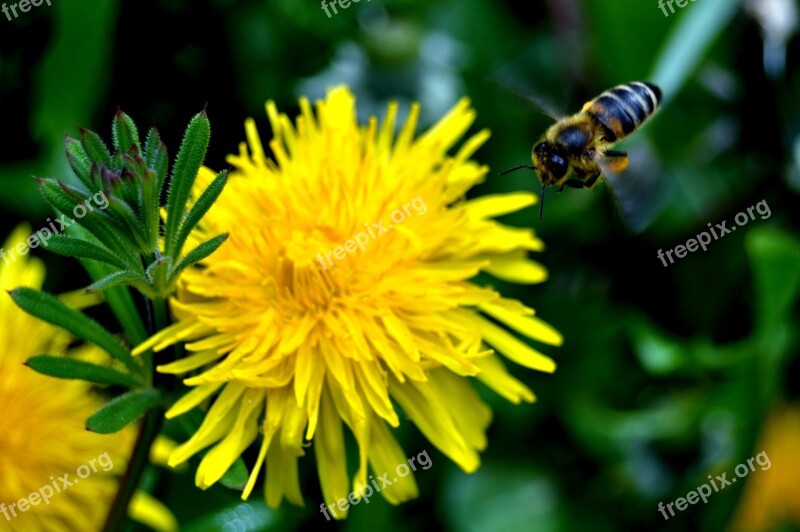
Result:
<point x="118" y="297"/>
<point x="75" y="247"/>
<point x="132" y="174"/>
<point x="156" y="157"/>
<point x="108" y="230"/>
<point x="124" y="277"/>
<point x="150" y="206"/>
<point x="197" y="254"/>
<point x="190" y="159"/>
<point x="199" y="209"/>
<point x="128" y="218"/>
<point x="124" y="132"/>
<point x="122" y="411"/>
<point x="50" y="309"/>
<point x="95" y="147"/>
<point x="71" y="368"/>
<point x="80" y="162"/>
<point x="55" y="195"/>
<point x="150" y="144"/>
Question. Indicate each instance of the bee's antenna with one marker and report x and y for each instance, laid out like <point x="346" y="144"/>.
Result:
<point x="520" y="167"/>
<point x="541" y="203"/>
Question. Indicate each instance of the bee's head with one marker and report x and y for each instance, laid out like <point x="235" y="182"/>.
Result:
<point x="550" y="163"/>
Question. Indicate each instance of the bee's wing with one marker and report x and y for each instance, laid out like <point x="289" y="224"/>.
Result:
<point x="511" y="79"/>
<point x="639" y="193"/>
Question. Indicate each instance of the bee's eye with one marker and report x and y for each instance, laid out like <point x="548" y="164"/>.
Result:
<point x="540" y="148"/>
<point x="557" y="165"/>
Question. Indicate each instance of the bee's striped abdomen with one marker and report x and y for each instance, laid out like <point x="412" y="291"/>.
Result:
<point x="624" y="108"/>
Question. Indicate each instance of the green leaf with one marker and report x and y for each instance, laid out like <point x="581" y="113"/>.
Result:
<point x="156" y="157"/>
<point x="80" y="162"/>
<point x="236" y="476"/>
<point x="118" y="298"/>
<point x="48" y="308"/>
<point x="75" y="247"/>
<point x="124" y="132"/>
<point x="150" y="205"/>
<point x="111" y="234"/>
<point x="122" y="411"/>
<point x="199" y="209"/>
<point x="190" y="159"/>
<point x="95" y="147"/>
<point x="134" y="168"/>
<point x="126" y="216"/>
<point x="56" y="196"/>
<point x="71" y="368"/>
<point x="124" y="277"/>
<point x="105" y="228"/>
<point x="150" y="143"/>
<point x="197" y="254"/>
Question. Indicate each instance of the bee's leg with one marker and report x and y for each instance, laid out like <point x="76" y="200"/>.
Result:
<point x="614" y="162"/>
<point x="592" y="179"/>
<point x="572" y="183"/>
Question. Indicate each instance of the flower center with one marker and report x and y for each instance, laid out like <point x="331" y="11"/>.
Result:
<point x="308" y="273"/>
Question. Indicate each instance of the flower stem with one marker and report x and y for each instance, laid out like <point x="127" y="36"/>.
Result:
<point x="139" y="459"/>
<point x="136" y="465"/>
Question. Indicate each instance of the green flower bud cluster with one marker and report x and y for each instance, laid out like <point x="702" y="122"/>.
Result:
<point x="129" y="235"/>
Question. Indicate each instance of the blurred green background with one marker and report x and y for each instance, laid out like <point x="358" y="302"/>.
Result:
<point x="666" y="375"/>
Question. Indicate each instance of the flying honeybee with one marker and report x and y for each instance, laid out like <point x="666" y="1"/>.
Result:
<point x="576" y="151"/>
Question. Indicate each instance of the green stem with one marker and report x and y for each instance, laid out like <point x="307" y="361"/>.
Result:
<point x="140" y="457"/>
<point x="160" y="313"/>
<point x="151" y="426"/>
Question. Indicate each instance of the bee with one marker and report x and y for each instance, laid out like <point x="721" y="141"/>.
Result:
<point x="576" y="151"/>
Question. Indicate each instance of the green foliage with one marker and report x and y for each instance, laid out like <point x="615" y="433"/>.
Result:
<point x="117" y="235"/>
<point x="122" y="411"/>
<point x="48" y="308"/>
<point x="190" y="159"/>
<point x="70" y="368"/>
<point x="119" y="203"/>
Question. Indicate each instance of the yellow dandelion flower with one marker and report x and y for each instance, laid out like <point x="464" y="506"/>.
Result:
<point x="54" y="475"/>
<point x="344" y="292"/>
